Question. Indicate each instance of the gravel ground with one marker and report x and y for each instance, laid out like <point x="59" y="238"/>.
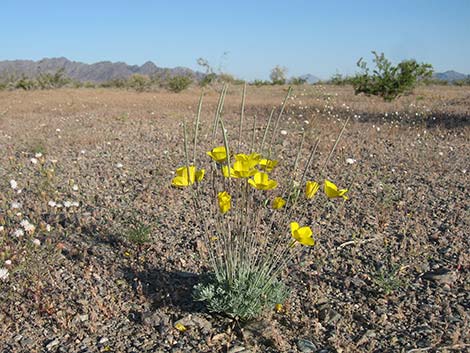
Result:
<point x="107" y="259"/>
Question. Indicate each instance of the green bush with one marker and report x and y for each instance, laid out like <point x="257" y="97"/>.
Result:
<point x="259" y="83"/>
<point x="298" y="81"/>
<point x="139" y="82"/>
<point x="179" y="83"/>
<point x="388" y="81"/>
<point x="25" y="83"/>
<point x="48" y="80"/>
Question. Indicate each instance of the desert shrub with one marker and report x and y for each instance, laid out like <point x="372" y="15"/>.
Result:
<point x="179" y="83"/>
<point x="259" y="83"/>
<point x="339" y="80"/>
<point x="278" y="75"/>
<point x="464" y="82"/>
<point x="298" y="81"/>
<point x="208" y="79"/>
<point x="114" y="83"/>
<point x="139" y="82"/>
<point x="388" y="81"/>
<point x="25" y="83"/>
<point x="254" y="214"/>
<point x="48" y="80"/>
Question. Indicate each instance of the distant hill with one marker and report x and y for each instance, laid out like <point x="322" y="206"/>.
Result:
<point x="450" y="76"/>
<point x="310" y="79"/>
<point x="98" y="72"/>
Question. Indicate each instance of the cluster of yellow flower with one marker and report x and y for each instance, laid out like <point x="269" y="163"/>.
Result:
<point x="255" y="169"/>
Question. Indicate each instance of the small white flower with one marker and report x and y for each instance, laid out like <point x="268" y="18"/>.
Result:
<point x="119" y="165"/>
<point x="75" y="203"/>
<point x="67" y="204"/>
<point x="283" y="132"/>
<point x="38" y="155"/>
<point x="7" y="262"/>
<point x="36" y="242"/>
<point x="15" y="205"/>
<point x="34" y="160"/>
<point x="350" y="160"/>
<point x="48" y="227"/>
<point x="75" y="188"/>
<point x="82" y="151"/>
<point x="59" y="205"/>
<point x="24" y="223"/>
<point x="58" y="130"/>
<point x="52" y="203"/>
<point x="2" y="228"/>
<point x="3" y="274"/>
<point x="13" y="184"/>
<point x="18" y="233"/>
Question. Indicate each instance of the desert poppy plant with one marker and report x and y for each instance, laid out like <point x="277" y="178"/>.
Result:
<point x="267" y="165"/>
<point x="187" y="176"/>
<point x="218" y="154"/>
<point x="311" y="188"/>
<point x="261" y="181"/>
<point x="278" y="203"/>
<point x="302" y="234"/>
<point x="224" y="201"/>
<point x="332" y="191"/>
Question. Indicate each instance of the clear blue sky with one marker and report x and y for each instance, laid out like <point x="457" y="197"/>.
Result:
<point x="306" y="36"/>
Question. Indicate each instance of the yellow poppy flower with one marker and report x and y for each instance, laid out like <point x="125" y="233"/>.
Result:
<point x="180" y="327"/>
<point x="267" y="164"/>
<point x="218" y="154"/>
<point x="261" y="181"/>
<point x="187" y="176"/>
<point x="331" y="190"/>
<point x="278" y="203"/>
<point x="245" y="165"/>
<point x="311" y="188"/>
<point x="224" y="201"/>
<point x="302" y="234"/>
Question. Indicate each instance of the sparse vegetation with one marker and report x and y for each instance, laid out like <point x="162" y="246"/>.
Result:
<point x="388" y="81"/>
<point x="278" y="75"/>
<point x="179" y="83"/>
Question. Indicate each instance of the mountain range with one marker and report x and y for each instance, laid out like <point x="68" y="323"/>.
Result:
<point x="98" y="72"/>
<point x="450" y="76"/>
<point x="106" y="70"/>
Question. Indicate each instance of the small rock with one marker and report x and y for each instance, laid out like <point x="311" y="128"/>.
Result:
<point x="103" y="340"/>
<point x="306" y="346"/>
<point x="52" y="344"/>
<point x="329" y="315"/>
<point x="237" y="349"/>
<point x="442" y="276"/>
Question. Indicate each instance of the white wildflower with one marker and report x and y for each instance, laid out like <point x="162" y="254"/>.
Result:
<point x="119" y="165"/>
<point x="36" y="242"/>
<point x="48" y="227"/>
<point x="13" y="184"/>
<point x="350" y="160"/>
<point x="52" y="203"/>
<point x="34" y="160"/>
<point x="15" y="205"/>
<point x="3" y="273"/>
<point x="7" y="262"/>
<point x="75" y="188"/>
<point x="67" y="204"/>
<point x="2" y="228"/>
<point x="18" y="233"/>
<point x="283" y="132"/>
<point x="75" y="203"/>
<point x="38" y="155"/>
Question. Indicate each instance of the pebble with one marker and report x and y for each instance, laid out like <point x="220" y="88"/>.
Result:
<point x="52" y="344"/>
<point x="306" y="346"/>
